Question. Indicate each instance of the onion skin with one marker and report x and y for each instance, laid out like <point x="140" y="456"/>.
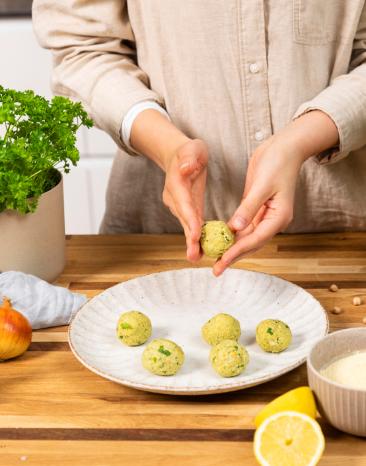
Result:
<point x="15" y="332"/>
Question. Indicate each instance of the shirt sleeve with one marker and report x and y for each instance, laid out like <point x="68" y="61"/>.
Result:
<point x="130" y="117"/>
<point x="94" y="58"/>
<point x="344" y="101"/>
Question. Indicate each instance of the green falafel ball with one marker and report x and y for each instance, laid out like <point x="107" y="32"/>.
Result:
<point x="133" y="328"/>
<point x="273" y="335"/>
<point x="216" y="238"/>
<point x="163" y="357"/>
<point x="229" y="358"/>
<point x="221" y="327"/>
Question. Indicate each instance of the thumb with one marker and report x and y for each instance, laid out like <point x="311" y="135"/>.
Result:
<point x="192" y="158"/>
<point x="248" y="208"/>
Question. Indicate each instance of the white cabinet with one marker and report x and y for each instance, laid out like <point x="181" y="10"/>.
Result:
<point x="25" y="65"/>
<point x="85" y="188"/>
<point x="98" y="143"/>
<point x="76" y="199"/>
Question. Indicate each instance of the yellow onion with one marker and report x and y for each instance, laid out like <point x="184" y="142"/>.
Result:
<point x="15" y="332"/>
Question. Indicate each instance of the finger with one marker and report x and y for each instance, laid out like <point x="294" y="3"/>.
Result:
<point x="249" y="208"/>
<point x="192" y="234"/>
<point x="198" y="194"/>
<point x="169" y="202"/>
<point x="259" y="216"/>
<point x="192" y="231"/>
<point x="180" y="204"/>
<point x="220" y="268"/>
<point x="270" y="225"/>
<point x="184" y="205"/>
<point x="194" y="253"/>
<point x="193" y="244"/>
<point x="193" y="248"/>
<point x="249" y="229"/>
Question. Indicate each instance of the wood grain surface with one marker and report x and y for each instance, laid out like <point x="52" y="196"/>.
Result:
<point x="53" y="411"/>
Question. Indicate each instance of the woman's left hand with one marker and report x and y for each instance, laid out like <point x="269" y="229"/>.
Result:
<point x="268" y="200"/>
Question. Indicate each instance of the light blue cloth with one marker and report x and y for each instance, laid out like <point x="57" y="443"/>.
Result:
<point x="43" y="304"/>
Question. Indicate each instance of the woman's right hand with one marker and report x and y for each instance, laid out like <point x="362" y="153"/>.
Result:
<point x="184" y="162"/>
<point x="184" y="190"/>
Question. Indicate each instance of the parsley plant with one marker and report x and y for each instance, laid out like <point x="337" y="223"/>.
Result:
<point x="37" y="136"/>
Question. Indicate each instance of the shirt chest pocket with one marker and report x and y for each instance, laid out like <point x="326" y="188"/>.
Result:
<point x="318" y="22"/>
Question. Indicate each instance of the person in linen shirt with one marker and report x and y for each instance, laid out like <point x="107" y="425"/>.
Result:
<point x="249" y="111"/>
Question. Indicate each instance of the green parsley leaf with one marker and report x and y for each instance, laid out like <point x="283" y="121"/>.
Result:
<point x="164" y="351"/>
<point x="125" y="325"/>
<point x="270" y="331"/>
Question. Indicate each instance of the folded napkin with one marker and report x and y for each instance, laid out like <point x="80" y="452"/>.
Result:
<point x="43" y="304"/>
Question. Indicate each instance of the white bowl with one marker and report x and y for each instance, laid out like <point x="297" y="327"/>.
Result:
<point x="343" y="407"/>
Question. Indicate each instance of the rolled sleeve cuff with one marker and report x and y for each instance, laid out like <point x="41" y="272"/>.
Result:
<point x="130" y="117"/>
<point x="336" y="153"/>
<point x="113" y="101"/>
<point x="330" y="107"/>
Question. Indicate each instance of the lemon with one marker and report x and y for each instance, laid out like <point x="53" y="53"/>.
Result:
<point x="288" y="438"/>
<point x="300" y="399"/>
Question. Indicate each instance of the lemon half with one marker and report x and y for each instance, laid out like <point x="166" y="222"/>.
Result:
<point x="289" y="438"/>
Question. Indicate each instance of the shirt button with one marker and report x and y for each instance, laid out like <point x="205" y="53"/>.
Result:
<point x="259" y="136"/>
<point x="254" y="68"/>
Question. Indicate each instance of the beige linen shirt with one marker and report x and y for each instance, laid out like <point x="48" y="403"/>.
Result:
<point x="231" y="72"/>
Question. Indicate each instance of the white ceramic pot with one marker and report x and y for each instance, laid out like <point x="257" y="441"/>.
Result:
<point x="35" y="243"/>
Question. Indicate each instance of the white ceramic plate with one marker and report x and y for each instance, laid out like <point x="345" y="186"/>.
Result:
<point x="178" y="303"/>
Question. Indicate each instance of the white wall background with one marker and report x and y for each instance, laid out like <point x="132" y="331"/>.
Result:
<point x="25" y="65"/>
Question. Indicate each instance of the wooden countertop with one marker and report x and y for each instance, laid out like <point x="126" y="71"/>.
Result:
<point x="53" y="411"/>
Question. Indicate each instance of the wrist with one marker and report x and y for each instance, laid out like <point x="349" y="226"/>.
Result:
<point x="295" y="141"/>
<point x="289" y="145"/>
<point x="310" y="134"/>
<point x="171" y="148"/>
<point x="153" y="135"/>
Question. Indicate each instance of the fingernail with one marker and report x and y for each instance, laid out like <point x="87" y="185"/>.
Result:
<point x="239" y="223"/>
<point x="185" y="165"/>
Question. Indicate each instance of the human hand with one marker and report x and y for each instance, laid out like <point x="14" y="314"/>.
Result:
<point x="267" y="204"/>
<point x="268" y="199"/>
<point x="184" y="162"/>
<point x="184" y="190"/>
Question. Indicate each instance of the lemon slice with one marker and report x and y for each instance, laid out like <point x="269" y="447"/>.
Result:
<point x="288" y="438"/>
<point x="300" y="399"/>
